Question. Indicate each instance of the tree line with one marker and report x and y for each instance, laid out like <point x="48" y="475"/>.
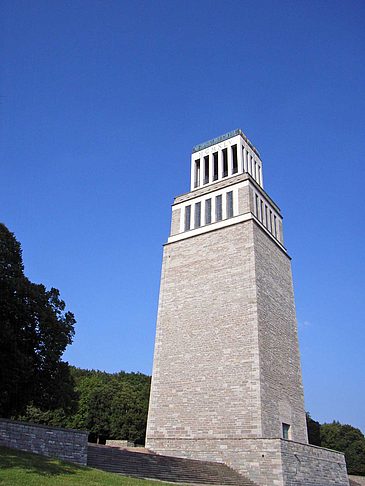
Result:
<point x="340" y="437"/>
<point x="37" y="386"/>
<point x="108" y="405"/>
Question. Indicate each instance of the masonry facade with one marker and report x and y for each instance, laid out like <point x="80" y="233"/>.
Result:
<point x="226" y="382"/>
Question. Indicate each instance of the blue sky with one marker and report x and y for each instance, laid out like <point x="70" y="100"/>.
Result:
<point x="100" y="104"/>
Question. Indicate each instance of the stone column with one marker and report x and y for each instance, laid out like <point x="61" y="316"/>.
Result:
<point x="211" y="168"/>
<point x="230" y="160"/>
<point x="240" y="157"/>
<point x="220" y="164"/>
<point x="245" y="165"/>
<point x="192" y="174"/>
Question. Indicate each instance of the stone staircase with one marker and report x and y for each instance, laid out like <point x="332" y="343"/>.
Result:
<point x="141" y="463"/>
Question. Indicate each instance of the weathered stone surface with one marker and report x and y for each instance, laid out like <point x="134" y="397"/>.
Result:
<point x="226" y="359"/>
<point x="357" y="480"/>
<point x="227" y="367"/>
<point x="267" y="462"/>
<point x="175" y="222"/>
<point x="282" y="399"/>
<point x="227" y="372"/>
<point x="206" y="368"/>
<point x="66" y="444"/>
<point x="119" y="443"/>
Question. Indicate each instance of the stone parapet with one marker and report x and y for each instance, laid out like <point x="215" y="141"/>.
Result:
<point x="357" y="480"/>
<point x="310" y="465"/>
<point x="65" y="444"/>
<point x="268" y="462"/>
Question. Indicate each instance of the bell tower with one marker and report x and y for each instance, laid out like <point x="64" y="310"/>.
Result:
<point x="226" y="382"/>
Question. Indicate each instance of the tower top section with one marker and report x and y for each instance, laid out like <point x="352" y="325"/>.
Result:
<point x="226" y="189"/>
<point x="224" y="156"/>
<point x="224" y="137"/>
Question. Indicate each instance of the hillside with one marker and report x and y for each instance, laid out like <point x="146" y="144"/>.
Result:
<point x="23" y="469"/>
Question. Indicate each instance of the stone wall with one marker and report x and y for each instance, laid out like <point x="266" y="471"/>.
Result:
<point x="66" y="444"/>
<point x="226" y="359"/>
<point x="282" y="399"/>
<point x="119" y="443"/>
<point x="175" y="222"/>
<point x="268" y="462"/>
<point x="206" y="369"/>
<point x="360" y="480"/>
<point x="306" y="465"/>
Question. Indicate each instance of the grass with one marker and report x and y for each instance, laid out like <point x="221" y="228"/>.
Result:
<point x="24" y="469"/>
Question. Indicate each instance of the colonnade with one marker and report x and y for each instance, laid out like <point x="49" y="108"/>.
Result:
<point x="222" y="162"/>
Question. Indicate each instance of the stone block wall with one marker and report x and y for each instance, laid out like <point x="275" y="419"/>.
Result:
<point x="282" y="399"/>
<point x="65" y="444"/>
<point x="307" y="465"/>
<point x="119" y="443"/>
<point x="175" y="222"/>
<point x="226" y="359"/>
<point x="268" y="462"/>
<point x="206" y="370"/>
<point x="359" y="480"/>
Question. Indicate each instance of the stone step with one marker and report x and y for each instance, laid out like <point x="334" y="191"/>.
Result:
<point x="144" y="464"/>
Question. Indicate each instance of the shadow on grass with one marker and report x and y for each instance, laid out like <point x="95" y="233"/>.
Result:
<point x="34" y="463"/>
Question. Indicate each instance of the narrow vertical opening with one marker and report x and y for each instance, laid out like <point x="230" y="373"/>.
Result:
<point x="208" y="211"/>
<point x="206" y="169"/>
<point x="234" y="159"/>
<point x="266" y="218"/>
<point x="225" y="163"/>
<point x="215" y="166"/>
<point x="262" y="211"/>
<point x="197" y="173"/>
<point x="230" y="204"/>
<point x="286" y="431"/>
<point x="275" y="233"/>
<point x="257" y="206"/>
<point x="187" y="218"/>
<point x="218" y="208"/>
<point x="259" y="181"/>
<point x="197" y="217"/>
<point x="270" y="221"/>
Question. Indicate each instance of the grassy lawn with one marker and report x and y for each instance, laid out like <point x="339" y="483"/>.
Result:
<point x="23" y="469"/>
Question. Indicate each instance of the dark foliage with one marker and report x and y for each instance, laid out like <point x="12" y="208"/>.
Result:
<point x="314" y="431"/>
<point x="35" y="330"/>
<point x="343" y="438"/>
<point x="349" y="440"/>
<point x="112" y="406"/>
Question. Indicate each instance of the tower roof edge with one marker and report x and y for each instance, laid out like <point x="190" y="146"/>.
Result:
<point x="221" y="138"/>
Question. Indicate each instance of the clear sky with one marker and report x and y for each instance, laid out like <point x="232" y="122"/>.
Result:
<point x="100" y="104"/>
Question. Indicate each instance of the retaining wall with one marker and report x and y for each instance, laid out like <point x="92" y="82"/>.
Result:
<point x="66" y="444"/>
<point x="268" y="462"/>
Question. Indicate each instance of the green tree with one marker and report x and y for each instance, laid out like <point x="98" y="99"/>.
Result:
<point x="314" y="431"/>
<point x="111" y="406"/>
<point x="347" y="439"/>
<point x="35" y="330"/>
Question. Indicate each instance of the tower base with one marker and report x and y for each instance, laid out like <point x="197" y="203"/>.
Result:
<point x="268" y="462"/>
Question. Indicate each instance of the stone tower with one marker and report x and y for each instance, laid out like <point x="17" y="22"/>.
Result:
<point x="226" y="382"/>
